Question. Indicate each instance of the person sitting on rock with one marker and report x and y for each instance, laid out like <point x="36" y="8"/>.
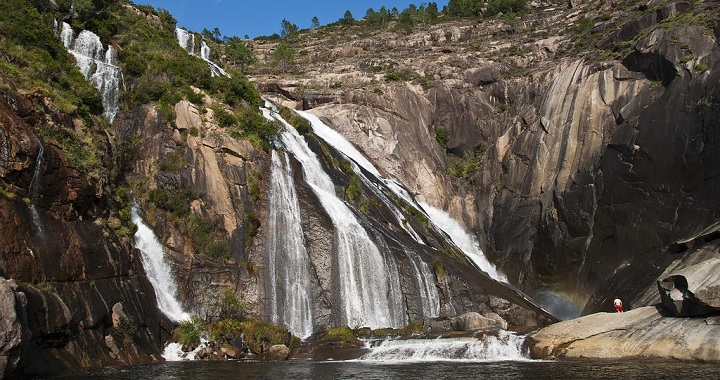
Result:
<point x="618" y="305"/>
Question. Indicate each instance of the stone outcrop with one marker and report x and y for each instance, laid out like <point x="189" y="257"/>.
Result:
<point x="473" y="321"/>
<point x="684" y="298"/>
<point x="640" y="333"/>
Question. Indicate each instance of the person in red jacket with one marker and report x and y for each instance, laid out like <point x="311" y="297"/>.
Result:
<point x="618" y="305"/>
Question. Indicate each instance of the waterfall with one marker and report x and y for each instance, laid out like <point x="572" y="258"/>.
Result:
<point x="464" y="240"/>
<point x="429" y="296"/>
<point x="187" y="41"/>
<point x="364" y="280"/>
<point x="288" y="272"/>
<point x="34" y="189"/>
<point x="97" y="65"/>
<point x="505" y="346"/>
<point x="204" y="51"/>
<point x="157" y="269"/>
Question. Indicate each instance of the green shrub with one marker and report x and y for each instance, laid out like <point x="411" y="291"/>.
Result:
<point x="442" y="136"/>
<point x="300" y="123"/>
<point x="224" y="118"/>
<point x="353" y="190"/>
<point x="398" y="76"/>
<point x="257" y="331"/>
<point x="188" y="333"/>
<point x="176" y="201"/>
<point x="339" y="334"/>
<point x="230" y="306"/>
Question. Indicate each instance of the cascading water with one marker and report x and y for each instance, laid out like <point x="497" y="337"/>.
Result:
<point x="187" y="41"/>
<point x="99" y="66"/>
<point x="34" y="189"/>
<point x="287" y="259"/>
<point x="158" y="271"/>
<point x="429" y="296"/>
<point x="441" y="219"/>
<point x="505" y="346"/>
<point x="365" y="291"/>
<point x="204" y="51"/>
<point x="466" y="242"/>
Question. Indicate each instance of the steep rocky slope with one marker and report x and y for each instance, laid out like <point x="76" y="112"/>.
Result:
<point x="595" y="129"/>
<point x="67" y="278"/>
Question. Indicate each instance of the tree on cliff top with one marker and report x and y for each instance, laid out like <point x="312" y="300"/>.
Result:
<point x="238" y="53"/>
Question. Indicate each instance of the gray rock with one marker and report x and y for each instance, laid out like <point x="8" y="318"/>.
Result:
<point x="474" y="321"/>
<point x="640" y="333"/>
<point x="694" y="291"/>
<point x="278" y="352"/>
<point x="11" y="330"/>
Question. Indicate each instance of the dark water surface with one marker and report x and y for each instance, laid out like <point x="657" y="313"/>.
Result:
<point x="296" y="370"/>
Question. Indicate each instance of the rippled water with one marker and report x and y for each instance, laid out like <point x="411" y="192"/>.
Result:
<point x="305" y="369"/>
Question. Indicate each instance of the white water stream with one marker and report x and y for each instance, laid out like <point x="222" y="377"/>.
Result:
<point x="157" y="269"/>
<point x="505" y="346"/>
<point x="99" y="66"/>
<point x="186" y="40"/>
<point x="287" y="259"/>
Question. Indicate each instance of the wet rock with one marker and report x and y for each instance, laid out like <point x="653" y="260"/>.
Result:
<point x="437" y="326"/>
<point x="473" y="321"/>
<point x="112" y="346"/>
<point x="278" y="352"/>
<point x="11" y="329"/>
<point x="640" y="333"/>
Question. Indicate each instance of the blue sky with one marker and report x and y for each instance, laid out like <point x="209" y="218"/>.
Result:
<point x="258" y="18"/>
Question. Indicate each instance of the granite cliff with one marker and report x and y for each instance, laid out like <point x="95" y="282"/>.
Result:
<point x="579" y="143"/>
<point x="593" y="129"/>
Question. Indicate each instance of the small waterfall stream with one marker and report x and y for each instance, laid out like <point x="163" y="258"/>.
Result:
<point x="186" y="40"/>
<point x="157" y="269"/>
<point x="99" y="66"/>
<point x="466" y="242"/>
<point x="34" y="189"/>
<point x="288" y="272"/>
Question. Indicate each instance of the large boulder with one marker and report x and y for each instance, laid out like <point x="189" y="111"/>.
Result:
<point x="474" y="321"/>
<point x="278" y="352"/>
<point x="694" y="291"/>
<point x="640" y="333"/>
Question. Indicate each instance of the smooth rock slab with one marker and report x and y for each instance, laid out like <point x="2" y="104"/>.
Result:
<point x="639" y="333"/>
<point x="692" y="291"/>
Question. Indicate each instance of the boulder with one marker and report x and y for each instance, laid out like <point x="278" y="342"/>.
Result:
<point x="639" y="333"/>
<point x="278" y="352"/>
<point x="474" y="321"/>
<point x="496" y="317"/>
<point x="693" y="291"/>
<point x="437" y="325"/>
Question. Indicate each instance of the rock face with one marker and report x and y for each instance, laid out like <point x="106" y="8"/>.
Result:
<point x="639" y="333"/>
<point x="684" y="298"/>
<point x="589" y="168"/>
<point x="70" y="269"/>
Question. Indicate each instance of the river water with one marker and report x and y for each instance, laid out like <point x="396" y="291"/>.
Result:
<point x="456" y="370"/>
